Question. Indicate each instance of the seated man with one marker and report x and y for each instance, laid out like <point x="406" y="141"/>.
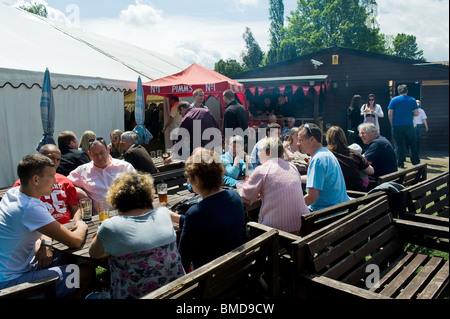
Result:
<point x="324" y="180"/>
<point x="380" y="154"/>
<point x="71" y="157"/>
<point x="96" y="176"/>
<point x="135" y="154"/>
<point x="24" y="219"/>
<point x="254" y="158"/>
<point x="63" y="201"/>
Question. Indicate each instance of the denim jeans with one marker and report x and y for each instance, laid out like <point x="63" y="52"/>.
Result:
<point x="404" y="136"/>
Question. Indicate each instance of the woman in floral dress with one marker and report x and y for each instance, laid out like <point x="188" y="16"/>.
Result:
<point x="140" y="242"/>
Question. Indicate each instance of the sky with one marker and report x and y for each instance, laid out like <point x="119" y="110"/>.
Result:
<point x="205" y="31"/>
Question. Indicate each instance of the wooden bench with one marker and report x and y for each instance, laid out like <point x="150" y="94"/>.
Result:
<point x="427" y="201"/>
<point x="174" y="179"/>
<point x="235" y="274"/>
<point x="320" y="218"/>
<point x="406" y="177"/>
<point x="363" y="256"/>
<point x="44" y="286"/>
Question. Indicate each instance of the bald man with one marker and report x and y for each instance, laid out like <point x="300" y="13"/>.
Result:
<point x="62" y="203"/>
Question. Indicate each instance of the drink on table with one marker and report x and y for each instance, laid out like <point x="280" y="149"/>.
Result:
<point x="86" y="209"/>
<point x="162" y="193"/>
<point x="169" y="151"/>
<point x="165" y="156"/>
<point x="103" y="212"/>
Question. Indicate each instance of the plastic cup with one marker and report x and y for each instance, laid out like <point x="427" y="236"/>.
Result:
<point x="162" y="193"/>
<point x="86" y="209"/>
<point x="103" y="212"/>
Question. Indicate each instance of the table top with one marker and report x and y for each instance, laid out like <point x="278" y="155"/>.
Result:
<point x="95" y="223"/>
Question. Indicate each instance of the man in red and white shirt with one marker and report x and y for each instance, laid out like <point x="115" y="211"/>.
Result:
<point x="62" y="203"/>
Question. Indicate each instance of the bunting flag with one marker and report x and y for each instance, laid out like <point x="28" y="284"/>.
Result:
<point x="323" y="87"/>
<point x="282" y="88"/>
<point x="317" y="88"/>
<point x="327" y="83"/>
<point x="252" y="90"/>
<point x="295" y="88"/>
<point x="305" y="89"/>
<point x="260" y="90"/>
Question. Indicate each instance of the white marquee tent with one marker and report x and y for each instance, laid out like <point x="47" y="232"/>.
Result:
<point x="89" y="75"/>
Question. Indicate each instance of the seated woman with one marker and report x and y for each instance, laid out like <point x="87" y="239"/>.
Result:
<point x="234" y="159"/>
<point x="351" y="161"/>
<point x="140" y="242"/>
<point x="292" y="152"/>
<point x="279" y="185"/>
<point x="216" y="225"/>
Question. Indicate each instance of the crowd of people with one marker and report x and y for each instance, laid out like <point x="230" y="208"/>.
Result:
<point x="288" y="169"/>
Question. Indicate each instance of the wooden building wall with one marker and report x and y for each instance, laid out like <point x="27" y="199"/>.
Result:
<point x="360" y="72"/>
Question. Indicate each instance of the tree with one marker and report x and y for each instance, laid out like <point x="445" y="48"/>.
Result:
<point x="254" y="55"/>
<point x="319" y="24"/>
<point x="229" y="67"/>
<point x="35" y="8"/>
<point x="276" y="16"/>
<point x="405" y="46"/>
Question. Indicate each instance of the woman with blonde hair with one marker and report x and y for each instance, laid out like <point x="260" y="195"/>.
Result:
<point x="216" y="225"/>
<point x="140" y="242"/>
<point x="115" y="148"/>
<point x="85" y="138"/>
<point x="351" y="162"/>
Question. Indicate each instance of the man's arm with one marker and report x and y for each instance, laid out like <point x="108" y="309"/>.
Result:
<point x="312" y="196"/>
<point x="75" y="212"/>
<point x="390" y="115"/>
<point x="72" y="238"/>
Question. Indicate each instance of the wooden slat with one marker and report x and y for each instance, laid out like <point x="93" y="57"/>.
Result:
<point x="420" y="279"/>
<point x="342" y="248"/>
<point x="437" y="284"/>
<point x="370" y="212"/>
<point x="32" y="288"/>
<point x="393" y="269"/>
<point x="394" y="286"/>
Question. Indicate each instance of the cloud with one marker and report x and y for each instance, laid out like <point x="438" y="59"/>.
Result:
<point x="427" y="20"/>
<point x="141" y="14"/>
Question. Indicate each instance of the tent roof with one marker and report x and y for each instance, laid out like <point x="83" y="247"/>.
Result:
<point x="195" y="76"/>
<point x="34" y="43"/>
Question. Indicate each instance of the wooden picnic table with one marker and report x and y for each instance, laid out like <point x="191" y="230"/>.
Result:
<point x="94" y="224"/>
<point x="159" y="163"/>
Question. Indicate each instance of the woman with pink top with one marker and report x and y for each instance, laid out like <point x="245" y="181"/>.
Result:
<point x="279" y="185"/>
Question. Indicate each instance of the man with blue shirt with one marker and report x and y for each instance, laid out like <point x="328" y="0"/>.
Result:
<point x="324" y="179"/>
<point x="401" y="112"/>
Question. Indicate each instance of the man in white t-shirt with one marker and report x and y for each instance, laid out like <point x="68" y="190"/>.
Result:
<point x="420" y="124"/>
<point x="96" y="177"/>
<point x="27" y="229"/>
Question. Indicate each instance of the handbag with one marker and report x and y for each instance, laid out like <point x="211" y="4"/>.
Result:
<point x="183" y="206"/>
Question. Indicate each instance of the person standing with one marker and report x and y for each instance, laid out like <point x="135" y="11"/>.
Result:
<point x="354" y="119"/>
<point x="235" y="114"/>
<point x="372" y="111"/>
<point x="199" y="98"/>
<point x="174" y="117"/>
<point x="420" y="122"/>
<point x="402" y="110"/>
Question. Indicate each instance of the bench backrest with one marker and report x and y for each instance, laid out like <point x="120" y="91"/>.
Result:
<point x="406" y="177"/>
<point x="172" y="178"/>
<point x="229" y="274"/>
<point x="427" y="200"/>
<point x="340" y="251"/>
<point x="318" y="219"/>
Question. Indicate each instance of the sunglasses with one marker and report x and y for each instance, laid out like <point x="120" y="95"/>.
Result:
<point x="308" y="129"/>
<point x="371" y="99"/>
<point x="100" y="139"/>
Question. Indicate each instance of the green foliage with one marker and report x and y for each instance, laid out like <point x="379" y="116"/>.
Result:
<point x="35" y="8"/>
<point x="229" y="67"/>
<point x="253" y="57"/>
<point x="317" y="25"/>
<point x="405" y="46"/>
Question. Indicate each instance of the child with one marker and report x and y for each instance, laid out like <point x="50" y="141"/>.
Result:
<point x="364" y="176"/>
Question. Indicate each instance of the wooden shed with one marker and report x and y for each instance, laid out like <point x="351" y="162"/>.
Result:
<point x="351" y="71"/>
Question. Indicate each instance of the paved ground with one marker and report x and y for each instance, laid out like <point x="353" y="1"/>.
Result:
<point x="437" y="160"/>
